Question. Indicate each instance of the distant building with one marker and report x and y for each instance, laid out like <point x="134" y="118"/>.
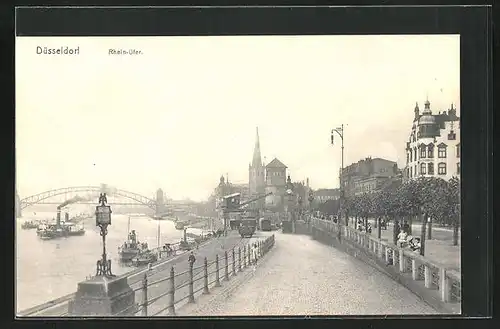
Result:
<point x="433" y="145"/>
<point x="275" y="183"/>
<point x="367" y="175"/>
<point x="325" y="194"/>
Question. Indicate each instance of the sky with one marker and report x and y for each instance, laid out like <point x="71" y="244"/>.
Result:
<point x="185" y="111"/>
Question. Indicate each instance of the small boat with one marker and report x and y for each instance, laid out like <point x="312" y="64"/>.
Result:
<point x="144" y="258"/>
<point x="29" y="225"/>
<point x="131" y="248"/>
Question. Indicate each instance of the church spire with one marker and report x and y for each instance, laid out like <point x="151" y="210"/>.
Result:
<point x="257" y="161"/>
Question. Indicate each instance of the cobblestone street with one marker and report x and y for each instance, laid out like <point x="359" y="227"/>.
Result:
<point x="301" y="276"/>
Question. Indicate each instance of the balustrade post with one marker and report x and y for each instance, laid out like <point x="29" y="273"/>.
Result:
<point x="205" y="276"/>
<point x="191" y="282"/>
<point x="380" y="250"/>
<point x="239" y="259"/>
<point x="217" y="278"/>
<point x="244" y="256"/>
<point x="249" y="255"/>
<point x="234" y="263"/>
<point x="145" y="295"/>
<point x="171" y="304"/>
<point x="401" y="261"/>
<point x="387" y="255"/>
<point x="427" y="276"/>
<point x="414" y="269"/>
<point x="444" y="285"/>
<point x="226" y="270"/>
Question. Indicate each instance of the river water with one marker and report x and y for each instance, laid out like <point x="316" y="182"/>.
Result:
<point x="48" y="269"/>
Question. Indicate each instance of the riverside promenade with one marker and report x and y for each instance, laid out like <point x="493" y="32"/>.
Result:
<point x="301" y="276"/>
<point x="157" y="285"/>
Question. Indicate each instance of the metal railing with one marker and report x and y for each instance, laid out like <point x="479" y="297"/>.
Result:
<point x="184" y="287"/>
<point x="59" y="306"/>
<point x="435" y="276"/>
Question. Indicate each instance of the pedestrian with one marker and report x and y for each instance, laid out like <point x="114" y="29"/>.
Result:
<point x="191" y="259"/>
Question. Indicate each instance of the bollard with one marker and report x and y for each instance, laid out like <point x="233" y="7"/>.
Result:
<point x="217" y="279"/>
<point x="239" y="259"/>
<point x="244" y="256"/>
<point x="205" y="276"/>
<point x="234" y="263"/>
<point x="226" y="273"/>
<point x="171" y="306"/>
<point x="191" y="288"/>
<point x="145" y="295"/>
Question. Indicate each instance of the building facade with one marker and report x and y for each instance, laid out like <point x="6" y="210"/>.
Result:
<point x="275" y="183"/>
<point x="433" y="145"/>
<point x="367" y="175"/>
<point x="325" y="194"/>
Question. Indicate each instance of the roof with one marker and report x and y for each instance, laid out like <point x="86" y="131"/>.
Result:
<point x="276" y="164"/>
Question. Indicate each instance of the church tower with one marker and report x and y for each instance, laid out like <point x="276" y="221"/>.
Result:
<point x="256" y="179"/>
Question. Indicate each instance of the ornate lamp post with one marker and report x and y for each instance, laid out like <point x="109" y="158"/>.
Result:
<point x="103" y="219"/>
<point x="340" y="132"/>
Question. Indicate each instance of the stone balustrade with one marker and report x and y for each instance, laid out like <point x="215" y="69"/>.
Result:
<point x="434" y="277"/>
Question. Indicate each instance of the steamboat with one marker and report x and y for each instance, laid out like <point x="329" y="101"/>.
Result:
<point x="131" y="248"/>
<point x="59" y="229"/>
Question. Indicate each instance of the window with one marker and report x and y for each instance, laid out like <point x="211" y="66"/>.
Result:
<point x="422" y="151"/>
<point x="452" y="136"/>
<point x="458" y="168"/>
<point x="415" y="170"/>
<point x="411" y="156"/>
<point x="423" y="167"/>
<point x="411" y="172"/>
<point x="442" y="152"/>
<point x="415" y="154"/>
<point x="458" y="150"/>
<point x="430" y="151"/>
<point x="442" y="168"/>
<point x="430" y="168"/>
<point x="407" y="157"/>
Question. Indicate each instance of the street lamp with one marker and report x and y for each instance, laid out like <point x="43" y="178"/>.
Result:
<point x="103" y="219"/>
<point x="340" y="132"/>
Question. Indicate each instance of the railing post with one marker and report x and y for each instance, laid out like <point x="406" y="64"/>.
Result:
<point x="217" y="278"/>
<point x="226" y="271"/>
<point x="427" y="276"/>
<point x="239" y="259"/>
<point x="387" y="255"/>
<point x="380" y="250"/>
<point x="401" y="261"/>
<point x="414" y="269"/>
<point x="444" y="285"/>
<point x="234" y="262"/>
<point x="171" y="306"/>
<point x="145" y="295"/>
<point x="244" y="256"/>
<point x="191" y="288"/>
<point x="205" y="276"/>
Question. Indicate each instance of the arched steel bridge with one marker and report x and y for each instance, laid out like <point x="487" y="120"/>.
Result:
<point x="37" y="198"/>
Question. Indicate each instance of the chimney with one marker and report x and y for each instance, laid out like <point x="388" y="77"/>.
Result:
<point x="66" y="217"/>
<point x="58" y="218"/>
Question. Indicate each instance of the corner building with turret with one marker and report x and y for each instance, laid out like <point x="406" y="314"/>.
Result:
<point x="433" y="145"/>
